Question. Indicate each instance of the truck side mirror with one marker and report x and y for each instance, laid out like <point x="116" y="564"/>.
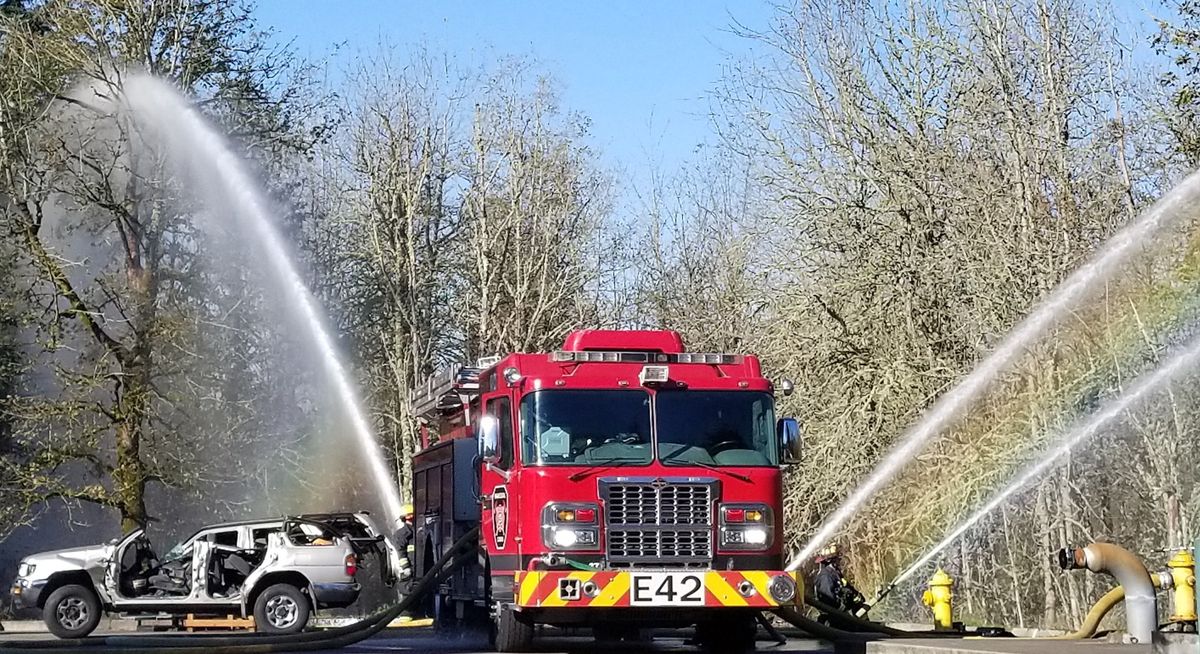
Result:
<point x="489" y="439"/>
<point x="790" y="445"/>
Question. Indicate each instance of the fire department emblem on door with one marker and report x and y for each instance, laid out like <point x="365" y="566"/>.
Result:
<point x="500" y="516"/>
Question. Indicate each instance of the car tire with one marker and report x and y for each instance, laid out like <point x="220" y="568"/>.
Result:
<point x="72" y="611"/>
<point x="281" y="609"/>
<point x="510" y="631"/>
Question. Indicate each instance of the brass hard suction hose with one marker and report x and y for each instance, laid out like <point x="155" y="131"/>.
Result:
<point x="260" y="643"/>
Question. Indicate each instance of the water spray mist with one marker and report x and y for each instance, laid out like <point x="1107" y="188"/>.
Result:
<point x="200" y="150"/>
<point x="949" y="407"/>
<point x="1175" y="367"/>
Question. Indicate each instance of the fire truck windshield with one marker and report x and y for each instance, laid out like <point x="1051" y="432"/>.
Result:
<point x="723" y="428"/>
<point x="586" y="427"/>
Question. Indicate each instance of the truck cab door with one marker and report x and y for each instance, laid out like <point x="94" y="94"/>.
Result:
<point x="499" y="530"/>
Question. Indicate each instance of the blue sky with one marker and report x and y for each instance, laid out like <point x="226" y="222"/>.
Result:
<point x="638" y="70"/>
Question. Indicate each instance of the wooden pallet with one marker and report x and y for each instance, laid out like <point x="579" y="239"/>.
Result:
<point x="193" y="623"/>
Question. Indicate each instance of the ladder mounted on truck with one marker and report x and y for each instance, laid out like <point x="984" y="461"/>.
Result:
<point x="446" y="395"/>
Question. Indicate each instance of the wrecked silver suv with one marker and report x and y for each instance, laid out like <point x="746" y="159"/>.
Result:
<point x="278" y="570"/>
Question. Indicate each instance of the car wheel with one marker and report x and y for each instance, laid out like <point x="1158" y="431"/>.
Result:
<point x="72" y="611"/>
<point x="511" y="632"/>
<point x="281" y="609"/>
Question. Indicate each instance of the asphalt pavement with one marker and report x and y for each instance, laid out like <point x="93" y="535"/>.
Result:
<point x="547" y="642"/>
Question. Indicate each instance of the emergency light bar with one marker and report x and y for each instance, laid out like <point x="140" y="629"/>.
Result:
<point x="645" y="357"/>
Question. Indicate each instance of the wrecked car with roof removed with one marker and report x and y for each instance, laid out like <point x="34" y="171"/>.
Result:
<point x="277" y="570"/>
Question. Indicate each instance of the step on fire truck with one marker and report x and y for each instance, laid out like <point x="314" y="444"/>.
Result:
<point x="621" y="481"/>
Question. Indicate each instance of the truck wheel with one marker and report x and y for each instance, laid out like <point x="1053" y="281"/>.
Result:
<point x="281" y="609"/>
<point x="510" y="631"/>
<point x="72" y="611"/>
<point x="727" y="635"/>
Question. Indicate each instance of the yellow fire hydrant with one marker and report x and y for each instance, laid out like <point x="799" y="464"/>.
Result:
<point x="1183" y="574"/>
<point x="937" y="597"/>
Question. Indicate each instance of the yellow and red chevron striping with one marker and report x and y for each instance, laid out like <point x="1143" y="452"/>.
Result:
<point x="547" y="589"/>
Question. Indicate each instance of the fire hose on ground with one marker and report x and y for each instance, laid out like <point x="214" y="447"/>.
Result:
<point x="1098" y="557"/>
<point x="855" y="624"/>
<point x="1100" y="609"/>
<point x="456" y="556"/>
<point x="857" y="629"/>
<point x="826" y="632"/>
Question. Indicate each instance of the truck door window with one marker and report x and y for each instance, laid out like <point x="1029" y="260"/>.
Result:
<point x="501" y="409"/>
<point x="586" y="427"/>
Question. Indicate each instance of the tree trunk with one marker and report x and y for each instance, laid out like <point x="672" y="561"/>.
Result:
<point x="1050" y="598"/>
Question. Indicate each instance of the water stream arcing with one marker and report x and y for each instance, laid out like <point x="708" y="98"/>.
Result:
<point x="1179" y="364"/>
<point x="222" y="179"/>
<point x="949" y="407"/>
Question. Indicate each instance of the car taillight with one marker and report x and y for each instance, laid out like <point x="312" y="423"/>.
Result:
<point x="351" y="565"/>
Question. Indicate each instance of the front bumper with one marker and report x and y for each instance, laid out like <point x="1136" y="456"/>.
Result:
<point x="335" y="595"/>
<point x="25" y="593"/>
<point x="759" y="589"/>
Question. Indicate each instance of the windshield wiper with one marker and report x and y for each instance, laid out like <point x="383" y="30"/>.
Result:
<point x="709" y="466"/>
<point x="611" y="462"/>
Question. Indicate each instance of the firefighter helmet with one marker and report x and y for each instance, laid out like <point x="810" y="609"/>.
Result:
<point x="828" y="553"/>
<point x="406" y="510"/>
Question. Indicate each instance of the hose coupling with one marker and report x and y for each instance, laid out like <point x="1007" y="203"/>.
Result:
<point x="1072" y="558"/>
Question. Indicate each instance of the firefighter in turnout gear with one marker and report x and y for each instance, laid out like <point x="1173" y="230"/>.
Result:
<point x="831" y="586"/>
<point x="404" y="543"/>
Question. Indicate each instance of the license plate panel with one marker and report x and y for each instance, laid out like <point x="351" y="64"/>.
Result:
<point x="666" y="589"/>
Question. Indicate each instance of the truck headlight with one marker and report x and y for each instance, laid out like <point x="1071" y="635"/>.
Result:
<point x="25" y="569"/>
<point x="746" y="527"/>
<point x="565" y="538"/>
<point x="568" y="526"/>
<point x="755" y="536"/>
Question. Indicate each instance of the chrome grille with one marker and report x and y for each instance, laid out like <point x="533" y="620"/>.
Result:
<point x="685" y="505"/>
<point x="659" y="523"/>
<point x="633" y="543"/>
<point x="632" y="504"/>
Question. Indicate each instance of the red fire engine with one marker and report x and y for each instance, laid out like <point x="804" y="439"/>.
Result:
<point x="621" y="481"/>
